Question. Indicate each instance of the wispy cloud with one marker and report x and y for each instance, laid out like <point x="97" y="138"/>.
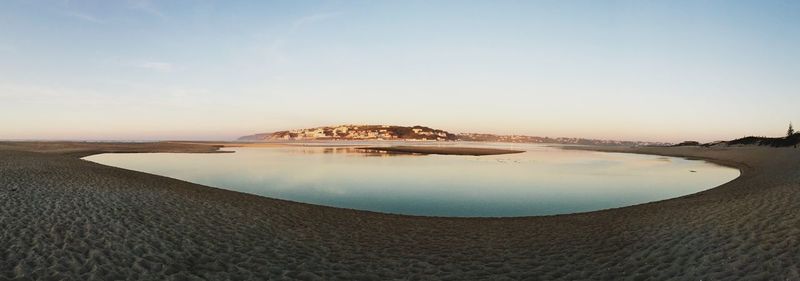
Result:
<point x="35" y="94"/>
<point x="171" y="95"/>
<point x="312" y="19"/>
<point x="274" y="49"/>
<point x="144" y="64"/>
<point x="147" y="7"/>
<point x="28" y="92"/>
<point x="157" y="66"/>
<point x="83" y="16"/>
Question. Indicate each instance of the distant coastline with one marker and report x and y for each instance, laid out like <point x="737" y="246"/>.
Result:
<point x="420" y="133"/>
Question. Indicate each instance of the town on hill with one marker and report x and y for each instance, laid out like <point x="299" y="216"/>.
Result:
<point x="417" y="133"/>
<point x="357" y="132"/>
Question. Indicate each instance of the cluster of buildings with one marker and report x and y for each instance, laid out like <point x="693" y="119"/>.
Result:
<point x="365" y="132"/>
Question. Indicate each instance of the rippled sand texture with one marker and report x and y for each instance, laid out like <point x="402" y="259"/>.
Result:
<point x="68" y="219"/>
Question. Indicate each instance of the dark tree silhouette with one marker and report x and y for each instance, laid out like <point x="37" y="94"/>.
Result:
<point x="790" y="132"/>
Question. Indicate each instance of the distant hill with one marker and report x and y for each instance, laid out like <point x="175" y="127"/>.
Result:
<point x="688" y="143"/>
<point x="256" y="137"/>
<point x="792" y="140"/>
<point x="534" y="139"/>
<point x="420" y="133"/>
<point x="356" y="132"/>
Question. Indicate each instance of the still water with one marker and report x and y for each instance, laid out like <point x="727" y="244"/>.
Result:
<point x="541" y="181"/>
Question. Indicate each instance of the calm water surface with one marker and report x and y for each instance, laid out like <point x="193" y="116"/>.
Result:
<point x="542" y="181"/>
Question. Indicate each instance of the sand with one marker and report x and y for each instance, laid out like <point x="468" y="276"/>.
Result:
<point x="68" y="219"/>
<point x="443" y="150"/>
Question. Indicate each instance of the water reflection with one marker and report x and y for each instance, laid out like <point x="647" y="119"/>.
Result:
<point x="351" y="151"/>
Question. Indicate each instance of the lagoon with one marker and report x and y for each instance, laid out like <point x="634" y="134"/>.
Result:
<point x="543" y="180"/>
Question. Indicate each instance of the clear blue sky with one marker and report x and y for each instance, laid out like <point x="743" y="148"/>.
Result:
<point x="644" y="70"/>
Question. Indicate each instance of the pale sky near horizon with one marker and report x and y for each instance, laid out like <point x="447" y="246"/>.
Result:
<point x="632" y="70"/>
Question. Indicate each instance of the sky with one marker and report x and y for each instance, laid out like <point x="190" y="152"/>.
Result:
<point x="217" y="70"/>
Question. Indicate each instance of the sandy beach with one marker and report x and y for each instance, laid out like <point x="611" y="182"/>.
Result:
<point x="64" y="218"/>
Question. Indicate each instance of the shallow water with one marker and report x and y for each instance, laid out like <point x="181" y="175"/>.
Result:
<point x="542" y="181"/>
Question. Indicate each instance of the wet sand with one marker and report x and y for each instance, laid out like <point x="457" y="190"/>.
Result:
<point x="68" y="219"/>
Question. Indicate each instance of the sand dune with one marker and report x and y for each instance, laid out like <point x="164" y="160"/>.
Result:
<point x="68" y="219"/>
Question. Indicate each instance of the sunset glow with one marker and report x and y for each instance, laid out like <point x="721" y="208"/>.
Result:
<point x="655" y="71"/>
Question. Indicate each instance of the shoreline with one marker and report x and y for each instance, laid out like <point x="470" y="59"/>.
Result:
<point x="742" y="229"/>
<point x="741" y="166"/>
<point x="440" y="150"/>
